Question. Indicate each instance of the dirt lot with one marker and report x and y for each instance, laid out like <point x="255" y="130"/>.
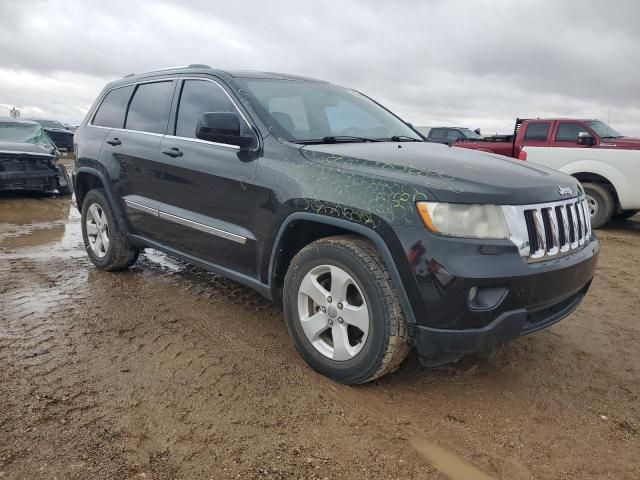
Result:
<point x="166" y="371"/>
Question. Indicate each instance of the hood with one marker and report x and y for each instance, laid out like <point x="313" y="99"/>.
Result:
<point x="449" y="174"/>
<point x="23" y="149"/>
<point x="621" y="142"/>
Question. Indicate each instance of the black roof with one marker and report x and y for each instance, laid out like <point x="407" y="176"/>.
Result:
<point x="201" y="68"/>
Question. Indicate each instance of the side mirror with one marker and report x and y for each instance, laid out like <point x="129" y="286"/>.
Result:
<point x="223" y="127"/>
<point x="585" y="138"/>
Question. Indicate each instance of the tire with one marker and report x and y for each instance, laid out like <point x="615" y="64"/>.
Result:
<point x="366" y="355"/>
<point x="64" y="183"/>
<point x="119" y="254"/>
<point x="601" y="204"/>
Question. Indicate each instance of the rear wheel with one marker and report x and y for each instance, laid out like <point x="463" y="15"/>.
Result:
<point x="601" y="204"/>
<point x="342" y="310"/>
<point x="107" y="246"/>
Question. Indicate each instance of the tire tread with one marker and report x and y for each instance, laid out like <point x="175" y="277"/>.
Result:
<point x="398" y="344"/>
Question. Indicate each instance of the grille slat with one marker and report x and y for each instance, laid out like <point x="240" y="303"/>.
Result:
<point x="549" y="230"/>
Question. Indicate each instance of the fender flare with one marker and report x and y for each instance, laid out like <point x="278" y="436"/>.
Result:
<point x="103" y="180"/>
<point x="359" y="229"/>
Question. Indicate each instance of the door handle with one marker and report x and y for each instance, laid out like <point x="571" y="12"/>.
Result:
<point x="172" y="152"/>
<point x="114" y="142"/>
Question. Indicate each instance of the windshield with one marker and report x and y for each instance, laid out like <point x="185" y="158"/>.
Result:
<point x="23" y="133"/>
<point x="309" y="111"/>
<point x="470" y="134"/>
<point x="602" y="129"/>
<point x="50" y="123"/>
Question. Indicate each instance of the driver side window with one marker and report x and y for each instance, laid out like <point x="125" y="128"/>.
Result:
<point x="196" y="98"/>
<point x="453" y="136"/>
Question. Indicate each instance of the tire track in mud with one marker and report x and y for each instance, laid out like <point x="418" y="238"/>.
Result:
<point x="173" y="372"/>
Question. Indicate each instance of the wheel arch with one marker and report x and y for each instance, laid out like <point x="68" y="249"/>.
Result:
<point x="87" y="179"/>
<point x="301" y="228"/>
<point x="590" y="177"/>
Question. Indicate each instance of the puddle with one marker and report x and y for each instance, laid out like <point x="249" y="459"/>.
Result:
<point x="47" y="226"/>
<point x="449" y="463"/>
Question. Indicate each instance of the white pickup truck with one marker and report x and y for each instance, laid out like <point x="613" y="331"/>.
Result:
<point x="606" y="163"/>
<point x="610" y="177"/>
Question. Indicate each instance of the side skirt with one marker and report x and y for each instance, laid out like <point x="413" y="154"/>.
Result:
<point x="251" y="282"/>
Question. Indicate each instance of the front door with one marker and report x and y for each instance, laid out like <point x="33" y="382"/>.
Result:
<point x="207" y="192"/>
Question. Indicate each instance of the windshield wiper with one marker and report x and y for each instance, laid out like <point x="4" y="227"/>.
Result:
<point x="400" y="138"/>
<point x="338" y="139"/>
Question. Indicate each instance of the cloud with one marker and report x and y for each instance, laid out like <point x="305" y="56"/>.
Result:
<point x="470" y="63"/>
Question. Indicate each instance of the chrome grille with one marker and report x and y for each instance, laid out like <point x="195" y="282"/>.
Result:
<point x="549" y="230"/>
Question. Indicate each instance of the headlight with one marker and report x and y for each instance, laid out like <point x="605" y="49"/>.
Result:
<point x="460" y="220"/>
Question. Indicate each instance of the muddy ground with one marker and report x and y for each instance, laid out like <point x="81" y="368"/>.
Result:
<point x="166" y="371"/>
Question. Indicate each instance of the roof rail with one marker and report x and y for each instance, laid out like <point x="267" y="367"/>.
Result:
<point x="199" y="65"/>
<point x="129" y="75"/>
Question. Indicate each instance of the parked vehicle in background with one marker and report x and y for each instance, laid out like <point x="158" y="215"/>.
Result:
<point x="29" y="160"/>
<point x="606" y="162"/>
<point x="314" y="195"/>
<point x="448" y="135"/>
<point x="58" y="133"/>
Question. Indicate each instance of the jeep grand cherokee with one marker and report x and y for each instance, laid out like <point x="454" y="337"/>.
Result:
<point x="374" y="240"/>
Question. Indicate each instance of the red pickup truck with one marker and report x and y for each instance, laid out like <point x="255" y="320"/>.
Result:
<point x="552" y="132"/>
<point x="605" y="162"/>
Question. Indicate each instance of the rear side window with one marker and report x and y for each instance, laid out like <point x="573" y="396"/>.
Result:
<point x="537" y="131"/>
<point x="149" y="108"/>
<point x="437" y="134"/>
<point x="198" y="97"/>
<point x="112" y="109"/>
<point x="568" y="132"/>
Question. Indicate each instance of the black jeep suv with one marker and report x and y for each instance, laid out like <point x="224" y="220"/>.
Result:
<point x="315" y="195"/>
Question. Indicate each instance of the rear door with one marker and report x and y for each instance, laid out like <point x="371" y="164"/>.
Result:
<point x="140" y="172"/>
<point x="536" y="133"/>
<point x="101" y="139"/>
<point x="207" y="193"/>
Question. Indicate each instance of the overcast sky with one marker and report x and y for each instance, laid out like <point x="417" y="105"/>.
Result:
<point x="469" y="63"/>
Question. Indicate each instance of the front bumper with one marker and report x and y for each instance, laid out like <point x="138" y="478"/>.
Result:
<point x="514" y="297"/>
<point x="437" y="346"/>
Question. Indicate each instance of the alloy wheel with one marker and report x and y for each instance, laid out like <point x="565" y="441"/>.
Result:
<point x="333" y="312"/>
<point x="97" y="230"/>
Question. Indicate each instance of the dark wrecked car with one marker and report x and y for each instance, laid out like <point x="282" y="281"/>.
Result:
<point x="29" y="160"/>
<point x="60" y="135"/>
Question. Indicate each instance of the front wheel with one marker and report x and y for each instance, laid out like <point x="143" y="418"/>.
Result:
<point x="343" y="312"/>
<point x="601" y="204"/>
<point x="107" y="246"/>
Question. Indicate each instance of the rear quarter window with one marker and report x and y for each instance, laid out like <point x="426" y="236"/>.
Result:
<point x="538" y="131"/>
<point x="111" y="111"/>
